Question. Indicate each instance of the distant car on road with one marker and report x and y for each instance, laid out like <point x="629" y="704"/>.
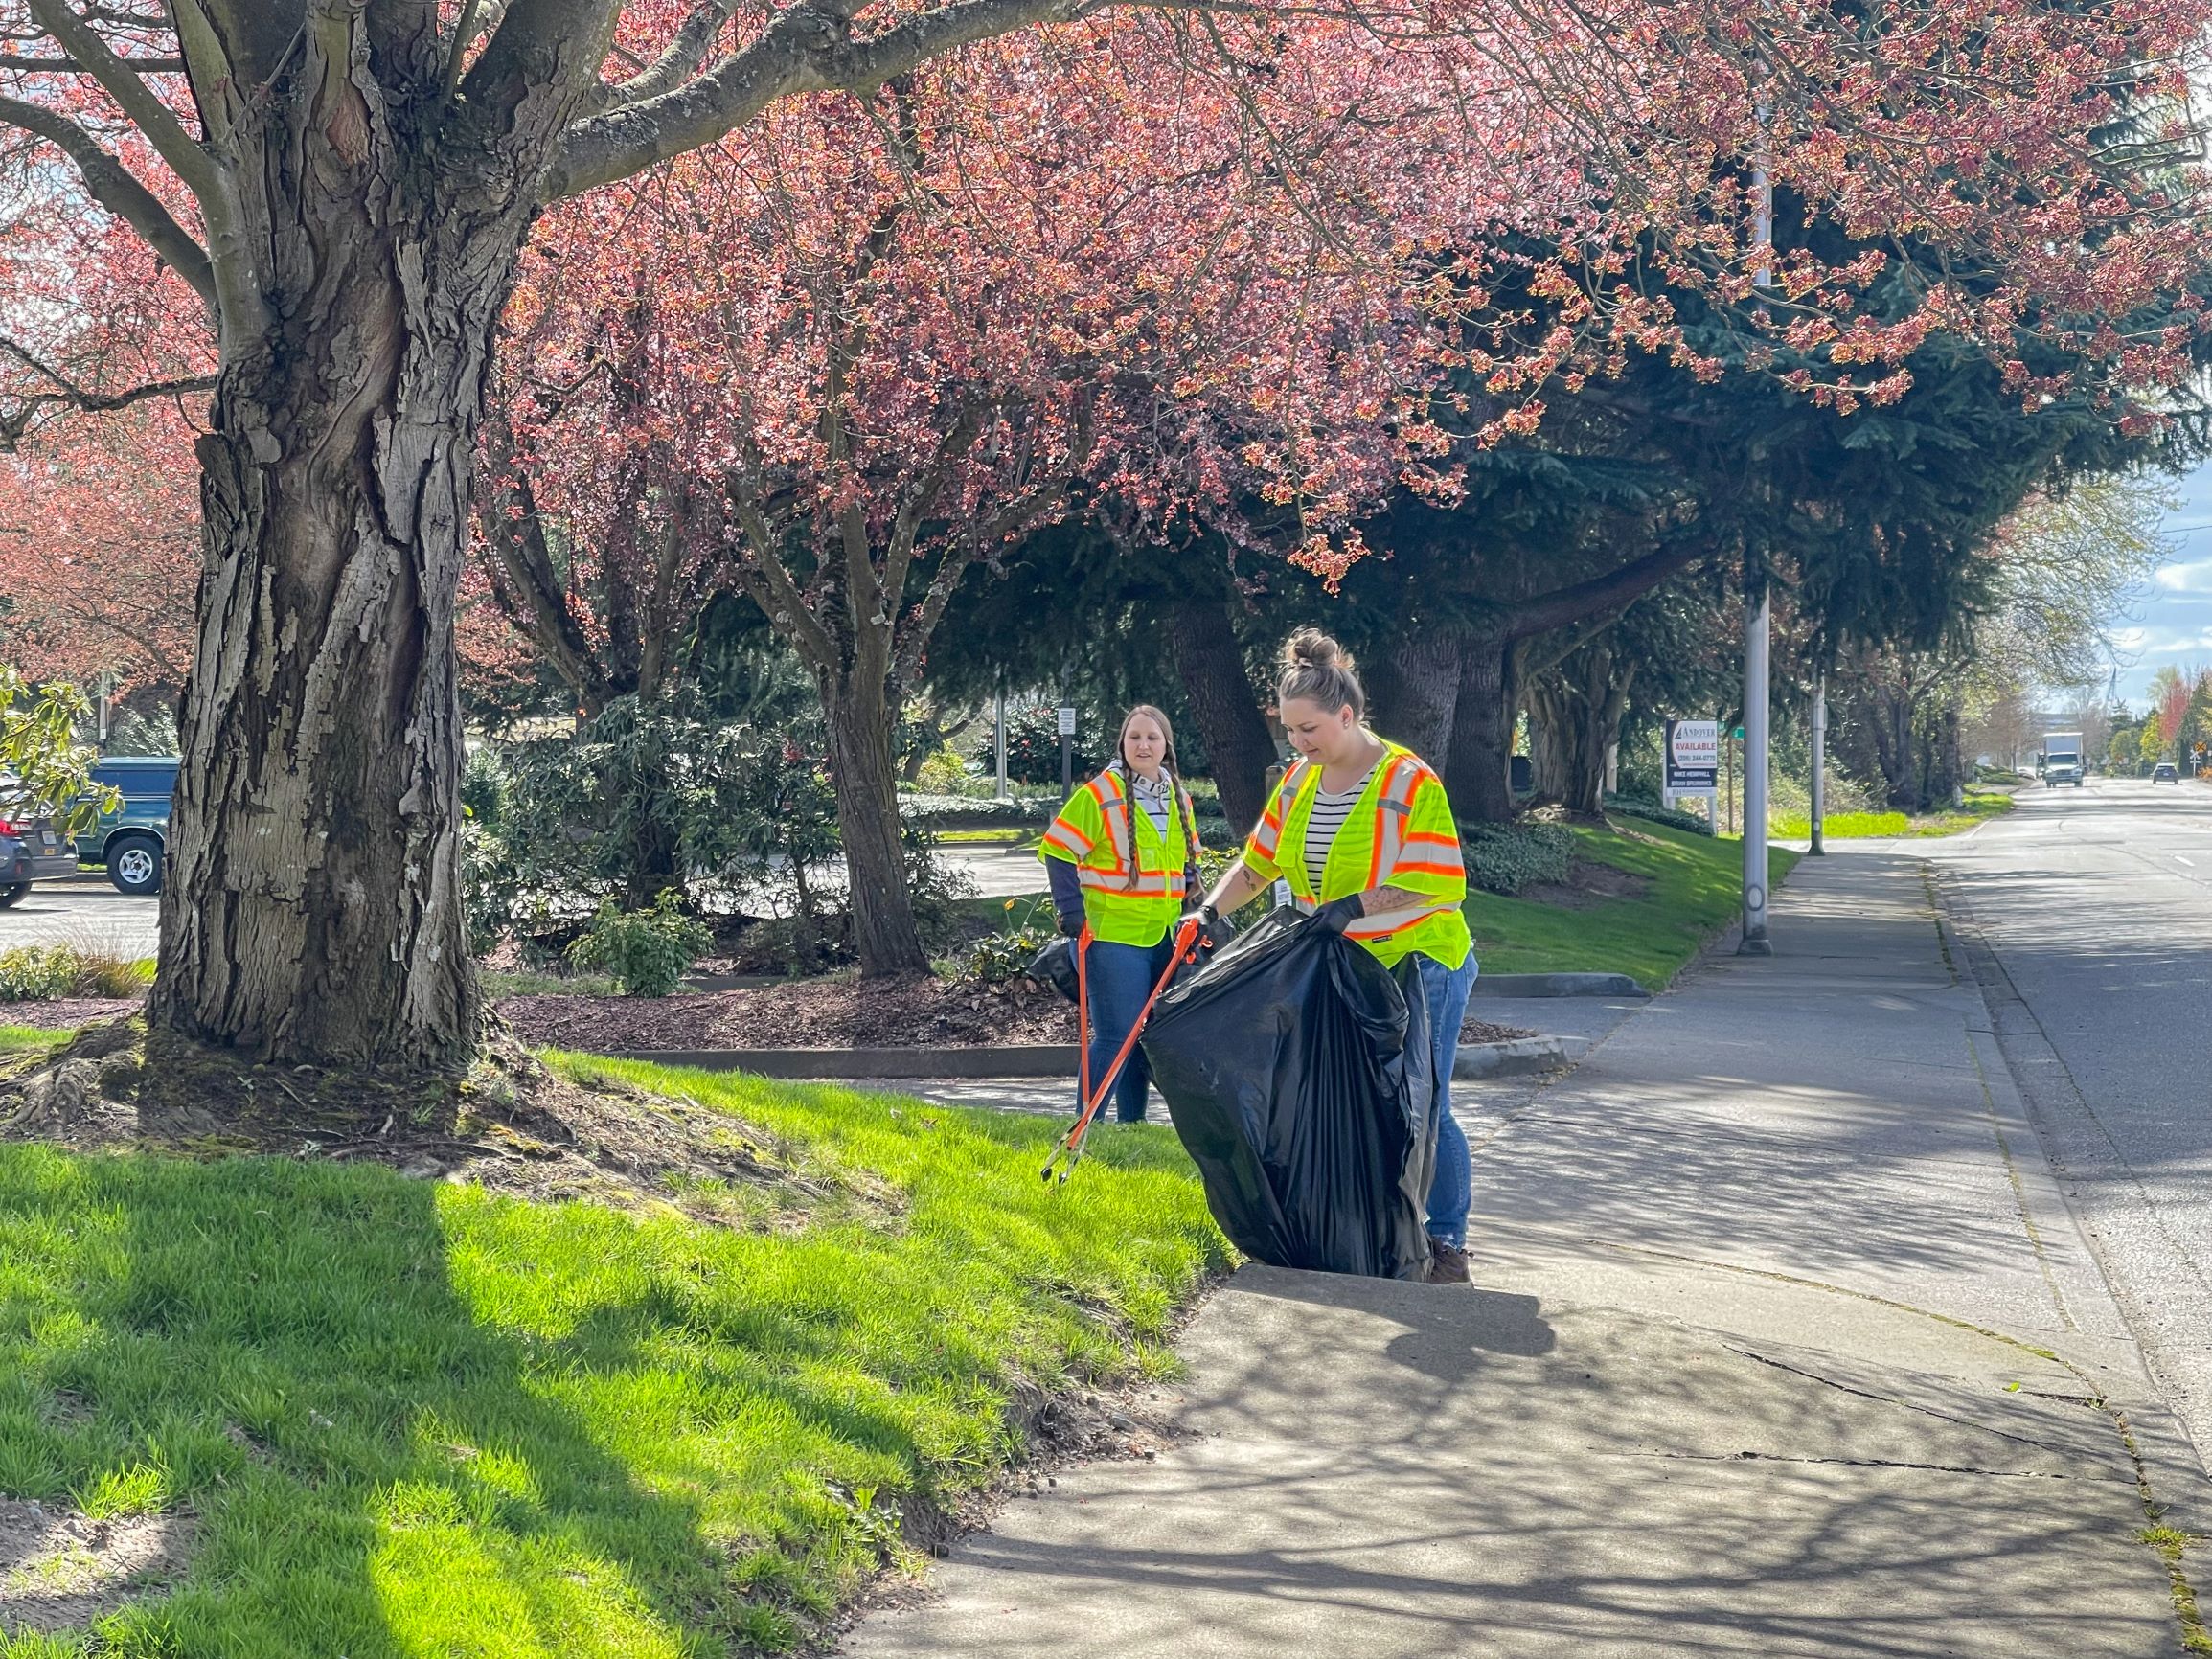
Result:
<point x="133" y="840"/>
<point x="30" y="853"/>
<point x="2163" y="773"/>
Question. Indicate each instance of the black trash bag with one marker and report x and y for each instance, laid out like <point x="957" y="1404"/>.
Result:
<point x="1055" y="965"/>
<point x="1296" y="1071"/>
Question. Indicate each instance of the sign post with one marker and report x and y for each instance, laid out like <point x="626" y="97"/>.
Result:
<point x="1066" y="751"/>
<point x="1693" y="763"/>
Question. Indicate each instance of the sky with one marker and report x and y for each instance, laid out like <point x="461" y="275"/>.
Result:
<point x="2172" y="621"/>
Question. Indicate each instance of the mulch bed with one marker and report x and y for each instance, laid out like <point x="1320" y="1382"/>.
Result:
<point x="818" y="1013"/>
<point x="822" y="1013"/>
<point x="512" y="1126"/>
<point x="65" y="1012"/>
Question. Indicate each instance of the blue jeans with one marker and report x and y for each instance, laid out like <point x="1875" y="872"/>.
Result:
<point x="1452" y="1189"/>
<point x="1121" y="977"/>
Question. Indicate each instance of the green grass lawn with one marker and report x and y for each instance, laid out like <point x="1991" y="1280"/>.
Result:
<point x="1979" y="807"/>
<point x="1694" y="890"/>
<point x="415" y="1419"/>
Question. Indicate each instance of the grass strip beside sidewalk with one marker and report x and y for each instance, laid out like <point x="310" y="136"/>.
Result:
<point x="411" y="1418"/>
<point x="1693" y="889"/>
<point x="1978" y="808"/>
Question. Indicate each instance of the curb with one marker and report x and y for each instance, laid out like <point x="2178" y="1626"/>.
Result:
<point x="2170" y="1465"/>
<point x="1557" y="985"/>
<point x="1518" y="1056"/>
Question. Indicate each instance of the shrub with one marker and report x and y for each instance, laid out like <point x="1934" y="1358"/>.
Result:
<point x="1507" y="857"/>
<point x="43" y="972"/>
<point x="647" y="951"/>
<point x="37" y="973"/>
<point x="974" y="813"/>
<point x="1652" y="813"/>
<point x="1032" y="744"/>
<point x="1001" y="958"/>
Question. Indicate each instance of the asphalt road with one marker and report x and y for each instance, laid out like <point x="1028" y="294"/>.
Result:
<point x="86" y="911"/>
<point x="2096" y="906"/>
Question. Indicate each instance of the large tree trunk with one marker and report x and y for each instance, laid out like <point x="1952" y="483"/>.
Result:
<point x="364" y="228"/>
<point x="1211" y="664"/>
<point x="1574" y="719"/>
<point x="1414" y="691"/>
<point x="866" y="781"/>
<point x="1478" y="765"/>
<point x="313" y="905"/>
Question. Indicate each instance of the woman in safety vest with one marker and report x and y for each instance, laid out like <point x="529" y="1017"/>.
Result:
<point x="1361" y="831"/>
<point x="1123" y="857"/>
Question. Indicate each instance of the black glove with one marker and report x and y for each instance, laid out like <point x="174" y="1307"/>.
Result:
<point x="1215" y="929"/>
<point x="1339" y="914"/>
<point x="1071" y="926"/>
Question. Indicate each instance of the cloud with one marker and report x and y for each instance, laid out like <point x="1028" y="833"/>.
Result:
<point x="2172" y="642"/>
<point x="2192" y="578"/>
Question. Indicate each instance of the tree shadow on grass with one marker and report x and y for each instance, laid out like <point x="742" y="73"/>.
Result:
<point x="394" y="1443"/>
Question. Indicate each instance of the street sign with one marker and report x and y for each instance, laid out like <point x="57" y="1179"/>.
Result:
<point x="1067" y="722"/>
<point x="1693" y="757"/>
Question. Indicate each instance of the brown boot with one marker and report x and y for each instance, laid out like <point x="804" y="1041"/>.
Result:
<point x="1447" y="1264"/>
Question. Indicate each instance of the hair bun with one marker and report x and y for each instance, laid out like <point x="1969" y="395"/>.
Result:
<point x="1311" y="649"/>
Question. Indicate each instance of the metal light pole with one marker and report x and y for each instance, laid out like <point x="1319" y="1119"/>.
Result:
<point x="1757" y="631"/>
<point x="1820" y="763"/>
<point x="1755" y="636"/>
<point x="998" y="738"/>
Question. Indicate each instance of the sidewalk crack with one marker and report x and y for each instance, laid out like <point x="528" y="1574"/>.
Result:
<point x="1892" y="1400"/>
<point x="1849" y="1463"/>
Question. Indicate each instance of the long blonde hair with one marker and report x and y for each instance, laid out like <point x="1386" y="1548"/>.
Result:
<point x="1121" y="761"/>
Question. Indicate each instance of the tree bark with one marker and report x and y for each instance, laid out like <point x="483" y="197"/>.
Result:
<point x="1478" y="765"/>
<point x="1574" y="717"/>
<point x="885" y="931"/>
<point x="312" y="907"/>
<point x="1211" y="664"/>
<point x="1413" y="697"/>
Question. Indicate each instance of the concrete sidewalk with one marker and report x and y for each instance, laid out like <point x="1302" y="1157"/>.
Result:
<point x="1784" y="1344"/>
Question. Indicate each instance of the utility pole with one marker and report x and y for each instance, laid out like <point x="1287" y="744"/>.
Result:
<point x="1758" y="622"/>
<point x="998" y="736"/>
<point x="1820" y="763"/>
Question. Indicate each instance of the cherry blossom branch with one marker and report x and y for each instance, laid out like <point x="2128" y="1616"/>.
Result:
<point x="67" y="394"/>
<point x="684" y="56"/>
<point x="139" y="101"/>
<point x="808" y="48"/>
<point x="117" y="188"/>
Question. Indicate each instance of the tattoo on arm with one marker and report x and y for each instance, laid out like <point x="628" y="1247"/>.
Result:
<point x="1238" y="888"/>
<point x="1377" y="899"/>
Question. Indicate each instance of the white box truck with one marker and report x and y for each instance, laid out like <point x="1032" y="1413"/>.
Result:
<point x="2062" y="762"/>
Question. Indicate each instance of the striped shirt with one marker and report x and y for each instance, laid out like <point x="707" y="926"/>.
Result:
<point x="1157" y="798"/>
<point x="1330" y="811"/>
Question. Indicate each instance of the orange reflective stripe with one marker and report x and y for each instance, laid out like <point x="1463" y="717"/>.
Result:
<point x="1268" y="833"/>
<point x="1106" y="789"/>
<point x="1065" y="835"/>
<point x="1393" y="922"/>
<point x="1390" y="810"/>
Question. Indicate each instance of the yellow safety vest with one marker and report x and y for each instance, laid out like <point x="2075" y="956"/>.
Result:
<point x="1103" y="834"/>
<point x="1400" y="835"/>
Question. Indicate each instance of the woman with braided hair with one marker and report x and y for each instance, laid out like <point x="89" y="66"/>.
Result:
<point x="1122" y="860"/>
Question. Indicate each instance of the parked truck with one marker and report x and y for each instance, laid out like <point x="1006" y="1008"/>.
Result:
<point x="2062" y="762"/>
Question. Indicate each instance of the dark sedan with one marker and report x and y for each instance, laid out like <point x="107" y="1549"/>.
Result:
<point x="30" y="853"/>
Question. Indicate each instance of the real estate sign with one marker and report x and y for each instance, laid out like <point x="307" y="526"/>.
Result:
<point x="1693" y="757"/>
